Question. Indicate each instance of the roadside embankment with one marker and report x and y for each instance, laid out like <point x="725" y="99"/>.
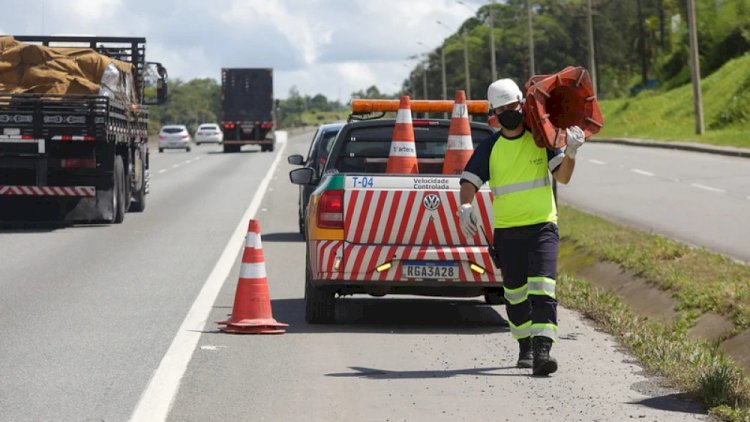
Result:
<point x="682" y="310"/>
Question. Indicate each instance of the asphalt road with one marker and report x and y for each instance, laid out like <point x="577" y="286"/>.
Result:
<point x="117" y="323"/>
<point x="696" y="198"/>
<point x="87" y="312"/>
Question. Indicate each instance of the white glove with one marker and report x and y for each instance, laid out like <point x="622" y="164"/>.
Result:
<point x="468" y="220"/>
<point x="575" y="140"/>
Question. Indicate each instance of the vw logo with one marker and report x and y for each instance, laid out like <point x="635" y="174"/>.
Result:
<point x="431" y="202"/>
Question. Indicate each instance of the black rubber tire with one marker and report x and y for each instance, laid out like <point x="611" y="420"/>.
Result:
<point x="138" y="204"/>
<point x="118" y="191"/>
<point x="161" y="149"/>
<point x="320" y="302"/>
<point x="495" y="297"/>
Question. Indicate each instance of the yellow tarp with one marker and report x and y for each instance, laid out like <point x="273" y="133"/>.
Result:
<point x="30" y="68"/>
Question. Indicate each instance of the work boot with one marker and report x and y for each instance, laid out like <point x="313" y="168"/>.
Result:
<point x="525" y="357"/>
<point x="544" y="364"/>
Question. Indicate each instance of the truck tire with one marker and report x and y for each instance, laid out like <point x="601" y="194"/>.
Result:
<point x="118" y="191"/>
<point x="138" y="204"/>
<point x="320" y="302"/>
<point x="494" y="296"/>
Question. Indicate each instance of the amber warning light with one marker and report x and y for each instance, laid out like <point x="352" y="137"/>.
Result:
<point x="418" y="106"/>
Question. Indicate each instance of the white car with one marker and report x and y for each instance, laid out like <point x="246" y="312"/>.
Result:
<point x="209" y="133"/>
<point x="174" y="137"/>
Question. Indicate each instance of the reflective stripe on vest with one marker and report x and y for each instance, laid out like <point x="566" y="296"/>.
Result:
<point x="520" y="183"/>
<point x="517" y="187"/>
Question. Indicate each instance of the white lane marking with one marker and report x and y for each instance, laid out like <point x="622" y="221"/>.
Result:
<point x="174" y="166"/>
<point x="643" y="172"/>
<point x="704" y="187"/>
<point x="601" y="163"/>
<point x="156" y="399"/>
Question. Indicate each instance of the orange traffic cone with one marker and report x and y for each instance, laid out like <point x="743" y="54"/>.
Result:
<point x="459" y="147"/>
<point x="403" y="156"/>
<point x="251" y="313"/>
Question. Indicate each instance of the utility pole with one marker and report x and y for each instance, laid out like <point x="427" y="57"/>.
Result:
<point x="442" y="70"/>
<point x="592" y="61"/>
<point x="695" y="71"/>
<point x="492" y="41"/>
<point x="532" y="67"/>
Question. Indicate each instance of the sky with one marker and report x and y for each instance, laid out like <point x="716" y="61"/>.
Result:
<point x="329" y="47"/>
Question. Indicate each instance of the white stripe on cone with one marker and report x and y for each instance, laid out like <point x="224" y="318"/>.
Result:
<point x="403" y="116"/>
<point x="403" y="149"/>
<point x="460" y="142"/>
<point x="253" y="270"/>
<point x="460" y="111"/>
<point x="252" y="240"/>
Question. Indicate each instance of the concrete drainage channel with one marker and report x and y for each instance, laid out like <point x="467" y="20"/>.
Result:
<point x="649" y="301"/>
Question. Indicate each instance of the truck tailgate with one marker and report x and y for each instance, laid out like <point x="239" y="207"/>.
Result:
<point x="405" y="228"/>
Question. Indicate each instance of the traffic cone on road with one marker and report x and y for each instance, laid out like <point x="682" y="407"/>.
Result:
<point x="460" y="146"/>
<point x="251" y="313"/>
<point x="403" y="155"/>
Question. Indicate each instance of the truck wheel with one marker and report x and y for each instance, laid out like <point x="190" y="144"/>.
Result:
<point x="138" y="204"/>
<point x="319" y="301"/>
<point x="494" y="296"/>
<point x="118" y="192"/>
<point x="270" y="148"/>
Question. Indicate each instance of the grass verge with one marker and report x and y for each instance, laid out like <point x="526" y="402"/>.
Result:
<point x="701" y="281"/>
<point x="669" y="115"/>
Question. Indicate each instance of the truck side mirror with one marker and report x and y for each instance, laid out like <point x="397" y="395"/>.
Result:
<point x="155" y="84"/>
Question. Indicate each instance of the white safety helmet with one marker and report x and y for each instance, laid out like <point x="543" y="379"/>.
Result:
<point x="503" y="92"/>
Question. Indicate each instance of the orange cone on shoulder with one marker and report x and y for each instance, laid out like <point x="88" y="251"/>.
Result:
<point x="251" y="313"/>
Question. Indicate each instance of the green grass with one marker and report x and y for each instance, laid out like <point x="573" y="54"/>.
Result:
<point x="701" y="281"/>
<point x="670" y="115"/>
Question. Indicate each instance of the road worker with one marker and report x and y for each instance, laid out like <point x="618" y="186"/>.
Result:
<point x="525" y="220"/>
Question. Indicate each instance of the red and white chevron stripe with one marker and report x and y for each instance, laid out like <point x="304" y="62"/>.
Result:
<point x="10" y="190"/>
<point x="394" y="226"/>
<point x="397" y="217"/>
<point x="323" y="255"/>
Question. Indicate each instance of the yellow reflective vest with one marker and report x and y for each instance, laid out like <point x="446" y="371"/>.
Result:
<point x="520" y="183"/>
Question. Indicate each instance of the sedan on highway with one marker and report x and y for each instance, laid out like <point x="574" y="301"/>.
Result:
<point x="208" y="133"/>
<point x="174" y="137"/>
<point x="317" y="155"/>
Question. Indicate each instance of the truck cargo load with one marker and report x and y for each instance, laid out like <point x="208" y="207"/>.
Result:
<point x="73" y="127"/>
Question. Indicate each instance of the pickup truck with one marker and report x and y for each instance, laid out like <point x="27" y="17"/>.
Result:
<point x="370" y="232"/>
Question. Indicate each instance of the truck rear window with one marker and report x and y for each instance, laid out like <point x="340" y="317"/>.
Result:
<point x="366" y="149"/>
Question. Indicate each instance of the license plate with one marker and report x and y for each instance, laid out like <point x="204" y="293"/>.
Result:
<point x="429" y="269"/>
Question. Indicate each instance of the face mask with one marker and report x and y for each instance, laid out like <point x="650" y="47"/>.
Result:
<point x="510" y="119"/>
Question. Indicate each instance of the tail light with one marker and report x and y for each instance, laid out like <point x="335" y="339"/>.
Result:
<point x="185" y="136"/>
<point x="78" y="163"/>
<point x="162" y="136"/>
<point x="266" y="125"/>
<point x="229" y="125"/>
<point x="331" y="210"/>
